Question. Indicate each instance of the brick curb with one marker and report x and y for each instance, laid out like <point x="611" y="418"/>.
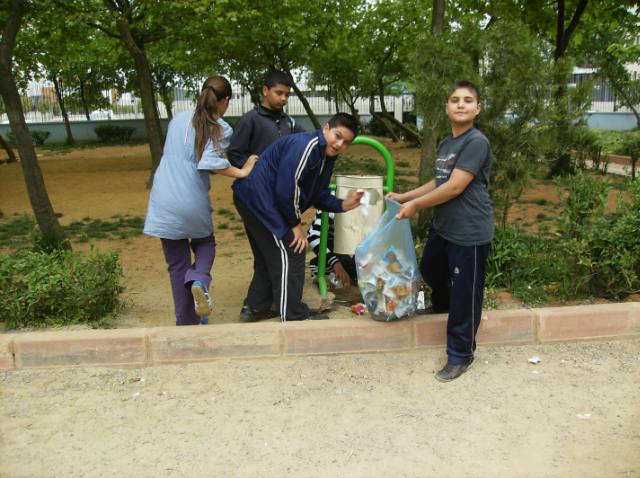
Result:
<point x="270" y="339"/>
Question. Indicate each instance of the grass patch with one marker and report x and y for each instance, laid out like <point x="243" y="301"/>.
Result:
<point x="368" y="166"/>
<point x="15" y="233"/>
<point x="224" y="211"/>
<point x="224" y="225"/>
<point x="542" y="216"/>
<point x="402" y="164"/>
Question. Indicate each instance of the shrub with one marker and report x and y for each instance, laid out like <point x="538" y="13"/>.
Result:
<point x="58" y="288"/>
<point x="602" y="252"/>
<point x="109" y="133"/>
<point x="38" y="137"/>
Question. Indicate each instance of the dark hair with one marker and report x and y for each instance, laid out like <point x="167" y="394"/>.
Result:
<point x="346" y="120"/>
<point x="467" y="85"/>
<point x="205" y="116"/>
<point x="276" y="77"/>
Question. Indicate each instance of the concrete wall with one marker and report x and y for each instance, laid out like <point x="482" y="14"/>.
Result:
<point x="612" y="121"/>
<point x="83" y="130"/>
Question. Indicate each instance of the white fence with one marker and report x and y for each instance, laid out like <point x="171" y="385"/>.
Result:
<point x="41" y="105"/>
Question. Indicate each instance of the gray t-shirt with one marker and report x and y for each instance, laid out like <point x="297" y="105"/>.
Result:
<point x="467" y="219"/>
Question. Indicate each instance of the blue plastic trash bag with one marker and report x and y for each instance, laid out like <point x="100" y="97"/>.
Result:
<point x="388" y="273"/>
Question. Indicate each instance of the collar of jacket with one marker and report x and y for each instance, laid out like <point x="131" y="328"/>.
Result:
<point x="261" y="111"/>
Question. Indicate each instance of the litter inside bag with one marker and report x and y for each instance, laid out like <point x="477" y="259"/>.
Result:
<point x="387" y="268"/>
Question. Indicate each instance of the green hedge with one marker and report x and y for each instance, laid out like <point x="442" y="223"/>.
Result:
<point x="110" y="133"/>
<point x="38" y="137"/>
<point x="58" y="288"/>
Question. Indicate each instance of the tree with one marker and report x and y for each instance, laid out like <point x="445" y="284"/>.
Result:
<point x="136" y="24"/>
<point x="7" y="147"/>
<point x="610" y="54"/>
<point x="283" y="35"/>
<point x="45" y="216"/>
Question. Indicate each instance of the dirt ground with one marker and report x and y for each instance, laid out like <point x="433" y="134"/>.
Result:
<point x="576" y="413"/>
<point x="108" y="181"/>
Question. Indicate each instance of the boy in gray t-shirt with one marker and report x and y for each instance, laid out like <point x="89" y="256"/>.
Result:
<point x="454" y="260"/>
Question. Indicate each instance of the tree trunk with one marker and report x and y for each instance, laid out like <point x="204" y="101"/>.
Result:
<point x="45" y="216"/>
<point x="84" y="100"/>
<point x="167" y="100"/>
<point x="437" y="16"/>
<point x="427" y="171"/>
<point x="430" y="122"/>
<point x="149" y="107"/>
<point x="563" y="163"/>
<point x="7" y="147"/>
<point x="352" y="107"/>
<point x="63" y="109"/>
<point x="408" y="131"/>
<point x="301" y="97"/>
<point x="372" y="110"/>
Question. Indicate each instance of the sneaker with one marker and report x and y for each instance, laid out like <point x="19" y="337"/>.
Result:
<point x="452" y="371"/>
<point x="313" y="316"/>
<point x="249" y="314"/>
<point x="204" y="320"/>
<point x="201" y="299"/>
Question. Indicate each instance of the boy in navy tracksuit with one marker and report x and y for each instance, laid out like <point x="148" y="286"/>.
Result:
<point x="292" y="175"/>
<point x="454" y="260"/>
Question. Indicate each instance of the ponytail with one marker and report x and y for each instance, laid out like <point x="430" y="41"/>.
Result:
<point x="205" y="116"/>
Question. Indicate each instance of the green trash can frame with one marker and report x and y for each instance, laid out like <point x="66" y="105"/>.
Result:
<point x="324" y="227"/>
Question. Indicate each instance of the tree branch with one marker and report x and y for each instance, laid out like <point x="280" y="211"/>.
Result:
<point x="574" y="23"/>
<point x="10" y="32"/>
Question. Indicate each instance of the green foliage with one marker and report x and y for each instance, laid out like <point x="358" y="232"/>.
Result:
<point x="59" y="288"/>
<point x="602" y="252"/>
<point x="110" y="133"/>
<point x="630" y="146"/>
<point x="37" y="136"/>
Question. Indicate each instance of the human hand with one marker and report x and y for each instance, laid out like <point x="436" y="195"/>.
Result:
<point x="353" y="201"/>
<point x="300" y="242"/>
<point x="407" y="210"/>
<point x="248" y="166"/>
<point x="340" y="273"/>
<point x="396" y="197"/>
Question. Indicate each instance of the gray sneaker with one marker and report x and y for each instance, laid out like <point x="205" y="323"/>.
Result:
<point x="452" y="371"/>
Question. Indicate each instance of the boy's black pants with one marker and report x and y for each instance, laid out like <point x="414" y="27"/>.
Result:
<point x="278" y="271"/>
<point x="456" y="276"/>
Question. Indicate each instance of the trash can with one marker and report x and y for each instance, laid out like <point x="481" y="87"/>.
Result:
<point x="351" y="227"/>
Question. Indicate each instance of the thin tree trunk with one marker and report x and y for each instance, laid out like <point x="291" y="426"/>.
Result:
<point x="408" y="131"/>
<point x="7" y="147"/>
<point x="84" y="100"/>
<point x="429" y="152"/>
<point x="352" y="106"/>
<point x="45" y="216"/>
<point x="372" y="110"/>
<point x="63" y="109"/>
<point x="307" y="107"/>
<point x="149" y="106"/>
<point x="167" y="100"/>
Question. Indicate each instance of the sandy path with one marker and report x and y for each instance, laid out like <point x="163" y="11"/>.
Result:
<point x="354" y="416"/>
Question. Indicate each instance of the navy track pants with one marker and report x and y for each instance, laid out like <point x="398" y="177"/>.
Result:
<point x="456" y="276"/>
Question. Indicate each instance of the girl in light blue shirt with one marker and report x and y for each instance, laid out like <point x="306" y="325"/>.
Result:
<point x="180" y="209"/>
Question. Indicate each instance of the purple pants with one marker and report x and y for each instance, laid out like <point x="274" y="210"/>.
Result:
<point x="182" y="272"/>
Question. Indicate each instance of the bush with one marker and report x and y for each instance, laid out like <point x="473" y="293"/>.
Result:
<point x="58" y="288"/>
<point x="38" y="137"/>
<point x="109" y="133"/>
<point x="602" y="252"/>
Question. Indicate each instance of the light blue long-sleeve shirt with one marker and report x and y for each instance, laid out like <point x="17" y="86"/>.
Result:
<point x="179" y="205"/>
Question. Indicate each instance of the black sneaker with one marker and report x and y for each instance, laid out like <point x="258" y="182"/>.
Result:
<point x="249" y="314"/>
<point x="452" y="371"/>
<point x="313" y="316"/>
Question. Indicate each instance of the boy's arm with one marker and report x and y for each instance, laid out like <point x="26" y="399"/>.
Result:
<point x="238" y="151"/>
<point x="414" y="193"/>
<point x="458" y="182"/>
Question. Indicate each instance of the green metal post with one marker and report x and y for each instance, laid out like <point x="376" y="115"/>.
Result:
<point x="324" y="227"/>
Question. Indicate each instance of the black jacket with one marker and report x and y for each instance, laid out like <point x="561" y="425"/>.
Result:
<point x="256" y="131"/>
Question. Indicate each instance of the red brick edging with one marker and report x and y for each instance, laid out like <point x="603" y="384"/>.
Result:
<point x="357" y="335"/>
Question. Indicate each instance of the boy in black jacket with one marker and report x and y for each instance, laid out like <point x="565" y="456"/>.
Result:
<point x="265" y="124"/>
